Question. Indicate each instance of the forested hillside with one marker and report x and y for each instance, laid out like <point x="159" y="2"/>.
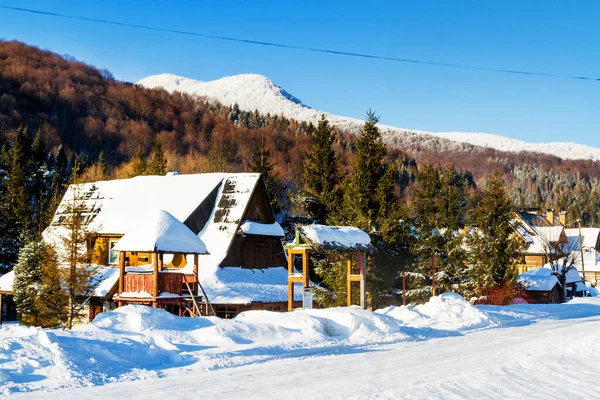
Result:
<point x="110" y="127"/>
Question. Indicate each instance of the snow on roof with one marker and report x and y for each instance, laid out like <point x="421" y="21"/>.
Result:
<point x="232" y="199"/>
<point x="256" y="228"/>
<point x="107" y="278"/>
<point x="234" y="285"/>
<point x="542" y="279"/>
<point x="550" y="234"/>
<point x="161" y="232"/>
<point x="6" y="281"/>
<point x="337" y="237"/>
<point x="539" y="280"/>
<point x="589" y="238"/>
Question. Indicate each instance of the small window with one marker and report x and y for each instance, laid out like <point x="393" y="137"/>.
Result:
<point x="113" y="255"/>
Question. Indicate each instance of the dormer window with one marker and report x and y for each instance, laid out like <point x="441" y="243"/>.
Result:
<point x="113" y="255"/>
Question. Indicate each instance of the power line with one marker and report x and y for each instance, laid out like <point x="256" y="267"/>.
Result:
<point x="304" y="48"/>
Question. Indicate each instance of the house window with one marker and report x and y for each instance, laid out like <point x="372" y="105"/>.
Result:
<point x="113" y="255"/>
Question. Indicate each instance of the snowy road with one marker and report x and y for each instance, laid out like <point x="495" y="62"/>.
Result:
<point x="547" y="359"/>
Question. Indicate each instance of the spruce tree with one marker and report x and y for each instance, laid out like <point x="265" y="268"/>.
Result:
<point x="371" y="204"/>
<point x="140" y="165"/>
<point x="320" y="194"/>
<point x="494" y="249"/>
<point x="158" y="163"/>
<point x="38" y="295"/>
<point x="275" y="188"/>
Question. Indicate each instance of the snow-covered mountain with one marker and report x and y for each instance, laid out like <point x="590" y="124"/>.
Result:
<point x="256" y="92"/>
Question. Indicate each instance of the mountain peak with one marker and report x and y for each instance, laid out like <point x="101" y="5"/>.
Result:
<point x="257" y="92"/>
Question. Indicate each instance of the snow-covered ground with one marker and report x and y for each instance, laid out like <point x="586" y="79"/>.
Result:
<point x="256" y="92"/>
<point x="443" y="349"/>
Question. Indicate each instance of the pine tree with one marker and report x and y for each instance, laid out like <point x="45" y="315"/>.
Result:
<point x="16" y="216"/>
<point x="275" y="188"/>
<point x="37" y="288"/>
<point x="320" y="193"/>
<point x="158" y="163"/>
<point x="371" y="204"/>
<point x="494" y="250"/>
<point x="140" y="166"/>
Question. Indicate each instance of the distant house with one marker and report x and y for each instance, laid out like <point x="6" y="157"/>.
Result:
<point x="544" y="287"/>
<point x="542" y="234"/>
<point x="243" y="266"/>
<point x="589" y="247"/>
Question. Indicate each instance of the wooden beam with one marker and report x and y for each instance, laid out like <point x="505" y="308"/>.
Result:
<point x="1" y="296"/>
<point x="196" y="267"/>
<point x="349" y="283"/>
<point x="305" y="267"/>
<point x="161" y="264"/>
<point x="155" y="278"/>
<point x="121" y="275"/>
<point x="362" y="261"/>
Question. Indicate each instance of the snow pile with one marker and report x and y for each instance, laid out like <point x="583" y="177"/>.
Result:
<point x="256" y="92"/>
<point x="448" y="311"/>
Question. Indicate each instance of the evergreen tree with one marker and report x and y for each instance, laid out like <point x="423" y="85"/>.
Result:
<point x="158" y="163"/>
<point x="275" y="188"/>
<point x="37" y="288"/>
<point x="371" y="204"/>
<point x="438" y="213"/>
<point x="16" y="217"/>
<point x="320" y="193"/>
<point x="494" y="250"/>
<point x="140" y="166"/>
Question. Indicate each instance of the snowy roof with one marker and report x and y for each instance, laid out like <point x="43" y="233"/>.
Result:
<point x="550" y="234"/>
<point x="6" y="282"/>
<point x="336" y="237"/>
<point x="539" y="280"/>
<point x="233" y="285"/>
<point x="161" y="232"/>
<point x="107" y="278"/>
<point x="589" y="238"/>
<point x="542" y="279"/>
<point x="256" y="228"/>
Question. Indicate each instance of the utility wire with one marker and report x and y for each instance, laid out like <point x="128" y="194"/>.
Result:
<point x="294" y="47"/>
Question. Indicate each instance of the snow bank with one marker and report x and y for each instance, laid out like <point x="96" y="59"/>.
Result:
<point x="448" y="311"/>
<point x="138" y="342"/>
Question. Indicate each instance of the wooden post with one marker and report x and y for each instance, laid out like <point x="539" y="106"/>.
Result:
<point x="433" y="274"/>
<point x="403" y="288"/>
<point x="161" y="264"/>
<point x="121" y="275"/>
<point x="1" y="296"/>
<point x="196" y="266"/>
<point x="362" y="262"/>
<point x="290" y="282"/>
<point x="155" y="289"/>
<point x="349" y="283"/>
<point x="305" y="267"/>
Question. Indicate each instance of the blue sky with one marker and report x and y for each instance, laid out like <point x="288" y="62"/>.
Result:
<point x="557" y="37"/>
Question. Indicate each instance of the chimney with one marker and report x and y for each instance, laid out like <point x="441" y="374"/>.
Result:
<point x="550" y="215"/>
<point x="562" y="216"/>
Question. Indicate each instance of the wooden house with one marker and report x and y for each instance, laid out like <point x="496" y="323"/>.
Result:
<point x="544" y="287"/>
<point x="543" y="234"/>
<point x="244" y="266"/>
<point x="586" y="242"/>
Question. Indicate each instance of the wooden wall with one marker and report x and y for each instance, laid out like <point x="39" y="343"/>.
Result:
<point x="100" y="245"/>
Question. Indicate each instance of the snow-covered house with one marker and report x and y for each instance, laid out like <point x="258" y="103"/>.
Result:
<point x="587" y="245"/>
<point x="542" y="234"/>
<point x="544" y="287"/>
<point x="230" y="213"/>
